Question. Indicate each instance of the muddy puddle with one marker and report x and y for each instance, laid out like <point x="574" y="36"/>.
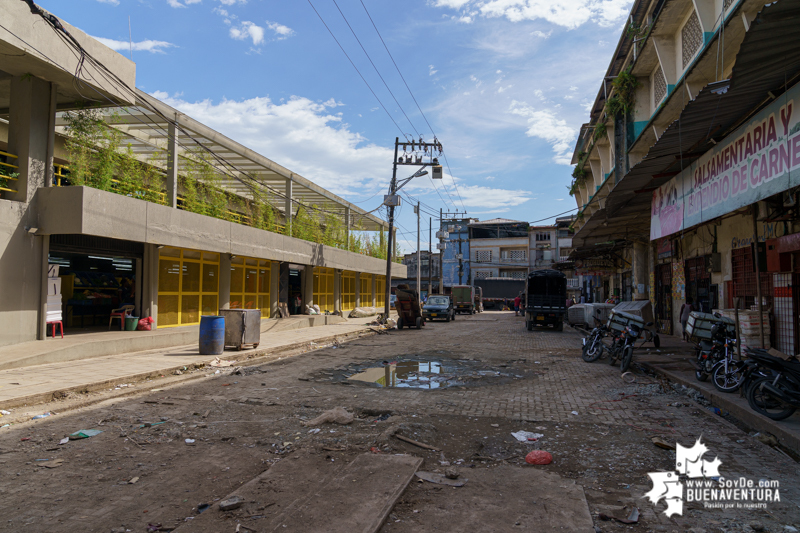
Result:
<point x="415" y="372"/>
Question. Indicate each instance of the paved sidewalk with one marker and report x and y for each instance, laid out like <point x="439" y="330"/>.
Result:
<point x="31" y="384"/>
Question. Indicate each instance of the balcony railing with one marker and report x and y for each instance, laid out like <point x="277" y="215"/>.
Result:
<point x="7" y="173"/>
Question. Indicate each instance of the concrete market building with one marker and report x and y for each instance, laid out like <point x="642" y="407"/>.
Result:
<point x="691" y="154"/>
<point x="140" y="243"/>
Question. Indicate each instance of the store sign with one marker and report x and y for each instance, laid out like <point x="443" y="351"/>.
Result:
<point x="760" y="159"/>
<point x="665" y="248"/>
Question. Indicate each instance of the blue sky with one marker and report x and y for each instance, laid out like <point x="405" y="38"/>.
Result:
<point x="505" y="85"/>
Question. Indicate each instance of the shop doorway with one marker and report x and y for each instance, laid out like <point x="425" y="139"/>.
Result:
<point x="98" y="276"/>
<point x="664" y="298"/>
<point x="296" y="303"/>
<point x="698" y="283"/>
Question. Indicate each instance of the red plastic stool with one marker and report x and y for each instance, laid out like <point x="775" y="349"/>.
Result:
<point x="54" y="328"/>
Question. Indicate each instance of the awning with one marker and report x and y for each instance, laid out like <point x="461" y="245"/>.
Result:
<point x="240" y="167"/>
<point x="768" y="61"/>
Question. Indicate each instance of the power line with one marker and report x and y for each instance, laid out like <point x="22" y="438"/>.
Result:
<point x="413" y="98"/>
<point x="376" y="68"/>
<point x="355" y="67"/>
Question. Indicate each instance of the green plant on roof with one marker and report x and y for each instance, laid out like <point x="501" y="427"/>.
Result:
<point x="624" y="97"/>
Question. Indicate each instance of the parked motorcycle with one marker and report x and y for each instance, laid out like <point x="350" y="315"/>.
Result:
<point x="714" y="351"/>
<point x="593" y="346"/>
<point x="623" y="345"/>
<point x="776" y="395"/>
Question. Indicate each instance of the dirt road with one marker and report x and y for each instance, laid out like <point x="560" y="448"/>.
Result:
<point x="461" y="388"/>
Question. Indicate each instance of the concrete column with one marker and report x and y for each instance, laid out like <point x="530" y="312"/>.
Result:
<point x="283" y="283"/>
<point x="347" y="227"/>
<point x="45" y="243"/>
<point x="172" y="167"/>
<point x="30" y="134"/>
<point x="358" y="289"/>
<point x="149" y="283"/>
<point x="641" y="274"/>
<point x="374" y="292"/>
<point x="137" y="298"/>
<point x="274" y="288"/>
<point x="287" y="209"/>
<point x="224" y="281"/>
<point x="337" y="290"/>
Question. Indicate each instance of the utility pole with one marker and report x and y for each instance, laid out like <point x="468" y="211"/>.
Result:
<point x="419" y="258"/>
<point x="441" y="253"/>
<point x="460" y="260"/>
<point x="430" y="256"/>
<point x="419" y="152"/>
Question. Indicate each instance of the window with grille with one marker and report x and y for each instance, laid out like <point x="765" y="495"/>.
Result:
<point x="726" y="4"/>
<point x="543" y="236"/>
<point x="516" y="274"/>
<point x="483" y="256"/>
<point x="659" y="86"/>
<point x="483" y="274"/>
<point x="691" y="38"/>
<point x="744" y="279"/>
<point x="514" y="255"/>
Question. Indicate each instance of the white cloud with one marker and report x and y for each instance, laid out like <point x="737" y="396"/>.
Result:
<point x="567" y="13"/>
<point x="504" y="89"/>
<point x="453" y="4"/>
<point x="544" y="124"/>
<point x="431" y="70"/>
<point x="228" y="2"/>
<point x="141" y="46"/>
<point x="247" y="30"/>
<point x="112" y="2"/>
<point x="490" y="178"/>
<point x="176" y="3"/>
<point x="542" y="34"/>
<point x="280" y="30"/>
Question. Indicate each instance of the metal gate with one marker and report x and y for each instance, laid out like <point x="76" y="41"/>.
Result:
<point x="698" y="281"/>
<point x="664" y="298"/>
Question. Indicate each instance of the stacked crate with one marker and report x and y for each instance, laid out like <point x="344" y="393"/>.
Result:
<point x="749" y="327"/>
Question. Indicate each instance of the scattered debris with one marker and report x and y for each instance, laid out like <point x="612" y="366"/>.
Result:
<point x="575" y="412"/>
<point x="416" y="443"/>
<point x="63" y="441"/>
<point x="767" y="438"/>
<point x="202" y="507"/>
<point x="190" y="442"/>
<point x="633" y="518"/>
<point x="538" y="457"/>
<point x="52" y="464"/>
<point x="527" y="436"/>
<point x="133" y="480"/>
<point x="338" y="415"/>
<point x="495" y="425"/>
<point x="628" y="377"/>
<point x="220" y="363"/>
<point x="451" y="473"/>
<point x="231" y="503"/>
<point x="433" y="477"/>
<point x="39" y="417"/>
<point x="84" y="434"/>
<point x="661" y="443"/>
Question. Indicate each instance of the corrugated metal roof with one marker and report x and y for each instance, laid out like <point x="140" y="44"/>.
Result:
<point x="768" y="60"/>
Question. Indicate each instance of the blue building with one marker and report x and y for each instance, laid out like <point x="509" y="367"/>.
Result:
<point x="455" y="257"/>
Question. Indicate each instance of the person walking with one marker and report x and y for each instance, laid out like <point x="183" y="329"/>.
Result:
<point x="685" y="310"/>
<point x="517" y="301"/>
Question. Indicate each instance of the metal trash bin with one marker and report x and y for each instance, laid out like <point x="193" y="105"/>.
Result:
<point x="242" y="326"/>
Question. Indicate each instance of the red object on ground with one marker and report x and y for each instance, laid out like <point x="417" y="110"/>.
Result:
<point x="538" y="457"/>
<point x="54" y="323"/>
<point x="375" y="450"/>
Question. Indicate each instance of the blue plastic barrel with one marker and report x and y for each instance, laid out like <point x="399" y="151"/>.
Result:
<point x="212" y="335"/>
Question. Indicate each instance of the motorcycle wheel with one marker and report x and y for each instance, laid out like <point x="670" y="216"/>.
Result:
<point x="592" y="350"/>
<point x="700" y="375"/>
<point x="727" y="381"/>
<point x="761" y="401"/>
<point x="627" y="357"/>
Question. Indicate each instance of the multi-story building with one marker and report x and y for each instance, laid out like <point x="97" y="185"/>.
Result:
<point x="543" y="247"/>
<point x="429" y="271"/>
<point x="499" y="248"/>
<point x="564" y="233"/>
<point x="690" y="156"/>
<point x="182" y="223"/>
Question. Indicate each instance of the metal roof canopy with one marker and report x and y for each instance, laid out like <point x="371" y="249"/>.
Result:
<point x="768" y="60"/>
<point x="147" y="133"/>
